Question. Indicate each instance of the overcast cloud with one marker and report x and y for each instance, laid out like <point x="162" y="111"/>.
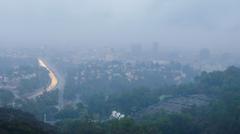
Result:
<point x="182" y="23"/>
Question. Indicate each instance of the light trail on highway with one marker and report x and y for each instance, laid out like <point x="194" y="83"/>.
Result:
<point x="54" y="80"/>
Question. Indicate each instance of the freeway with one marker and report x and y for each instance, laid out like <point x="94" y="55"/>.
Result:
<point x="56" y="81"/>
<point x="53" y="77"/>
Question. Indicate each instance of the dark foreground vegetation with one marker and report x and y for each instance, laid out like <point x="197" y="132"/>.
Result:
<point x="221" y="115"/>
<point x="18" y="122"/>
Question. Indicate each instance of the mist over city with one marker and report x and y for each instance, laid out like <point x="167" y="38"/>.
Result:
<point x="119" y="67"/>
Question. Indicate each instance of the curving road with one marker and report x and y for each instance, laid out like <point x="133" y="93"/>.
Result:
<point x="56" y="81"/>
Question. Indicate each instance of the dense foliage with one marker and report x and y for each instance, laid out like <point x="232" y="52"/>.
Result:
<point x="87" y="78"/>
<point x="221" y="116"/>
<point x="18" y="122"/>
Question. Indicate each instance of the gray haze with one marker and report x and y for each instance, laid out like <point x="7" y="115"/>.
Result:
<point x="172" y="23"/>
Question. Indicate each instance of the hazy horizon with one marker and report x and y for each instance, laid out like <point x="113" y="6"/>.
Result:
<point x="174" y="24"/>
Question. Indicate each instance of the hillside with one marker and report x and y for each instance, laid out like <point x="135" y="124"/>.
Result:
<point x="18" y="122"/>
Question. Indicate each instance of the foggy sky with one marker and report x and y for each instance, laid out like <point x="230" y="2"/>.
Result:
<point x="172" y="23"/>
